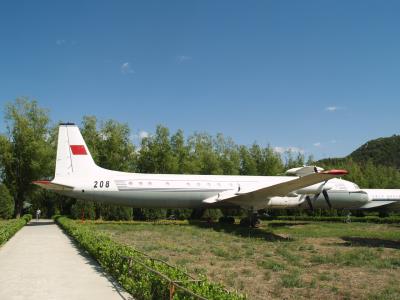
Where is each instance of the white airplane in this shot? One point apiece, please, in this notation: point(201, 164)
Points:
point(77, 176)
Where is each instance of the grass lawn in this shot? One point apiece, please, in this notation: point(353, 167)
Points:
point(281, 259)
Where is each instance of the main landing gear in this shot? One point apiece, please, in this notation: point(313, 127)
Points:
point(252, 220)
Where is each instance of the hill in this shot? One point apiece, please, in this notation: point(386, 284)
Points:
point(382, 151)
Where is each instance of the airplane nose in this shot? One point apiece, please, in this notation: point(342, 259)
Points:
point(359, 198)
point(343, 200)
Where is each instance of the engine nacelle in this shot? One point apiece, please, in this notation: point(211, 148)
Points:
point(285, 202)
point(315, 188)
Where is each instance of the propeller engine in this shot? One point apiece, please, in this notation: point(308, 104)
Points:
point(323, 190)
point(326, 198)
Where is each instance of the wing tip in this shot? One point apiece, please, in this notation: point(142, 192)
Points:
point(336, 172)
point(41, 182)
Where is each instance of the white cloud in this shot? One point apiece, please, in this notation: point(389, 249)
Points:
point(61, 42)
point(126, 68)
point(279, 149)
point(333, 108)
point(143, 134)
point(282, 150)
point(317, 144)
point(140, 135)
point(183, 58)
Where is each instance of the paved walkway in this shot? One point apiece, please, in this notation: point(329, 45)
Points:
point(41, 262)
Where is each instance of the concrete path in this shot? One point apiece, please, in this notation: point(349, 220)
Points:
point(41, 262)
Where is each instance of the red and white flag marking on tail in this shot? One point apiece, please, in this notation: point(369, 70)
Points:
point(78, 150)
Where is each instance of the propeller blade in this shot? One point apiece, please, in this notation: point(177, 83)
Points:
point(326, 196)
point(308, 199)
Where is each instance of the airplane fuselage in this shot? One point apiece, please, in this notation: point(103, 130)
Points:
point(159, 190)
point(189, 191)
point(78, 176)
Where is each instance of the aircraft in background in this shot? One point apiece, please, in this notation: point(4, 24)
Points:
point(77, 175)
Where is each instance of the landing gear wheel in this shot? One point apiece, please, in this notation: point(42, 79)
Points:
point(253, 222)
point(245, 222)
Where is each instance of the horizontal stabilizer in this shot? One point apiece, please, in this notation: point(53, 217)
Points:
point(375, 204)
point(49, 185)
point(303, 171)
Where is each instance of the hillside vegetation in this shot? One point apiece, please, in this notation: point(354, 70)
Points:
point(375, 164)
point(382, 151)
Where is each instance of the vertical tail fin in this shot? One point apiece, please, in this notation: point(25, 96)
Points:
point(73, 156)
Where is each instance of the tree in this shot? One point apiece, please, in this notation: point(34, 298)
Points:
point(203, 156)
point(92, 136)
point(25, 152)
point(83, 209)
point(228, 153)
point(6, 203)
point(156, 155)
point(248, 165)
point(116, 150)
point(181, 154)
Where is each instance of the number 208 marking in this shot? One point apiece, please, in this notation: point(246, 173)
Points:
point(101, 184)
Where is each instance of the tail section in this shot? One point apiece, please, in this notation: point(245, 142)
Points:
point(73, 156)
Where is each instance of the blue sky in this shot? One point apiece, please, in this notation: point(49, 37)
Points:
point(321, 76)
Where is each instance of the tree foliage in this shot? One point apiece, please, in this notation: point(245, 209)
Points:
point(28, 150)
point(25, 154)
point(383, 151)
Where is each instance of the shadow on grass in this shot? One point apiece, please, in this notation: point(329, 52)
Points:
point(370, 242)
point(285, 224)
point(40, 223)
point(241, 231)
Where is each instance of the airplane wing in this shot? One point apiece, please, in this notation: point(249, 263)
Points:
point(49, 185)
point(277, 190)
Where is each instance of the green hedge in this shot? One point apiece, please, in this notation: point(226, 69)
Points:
point(137, 279)
point(10, 227)
point(367, 219)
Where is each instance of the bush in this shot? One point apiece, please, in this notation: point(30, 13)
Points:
point(6, 203)
point(27, 217)
point(149, 214)
point(85, 209)
point(112, 212)
point(131, 268)
point(212, 214)
point(179, 214)
point(9, 228)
